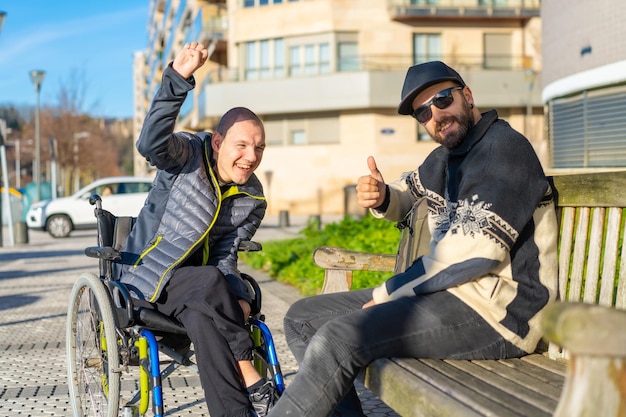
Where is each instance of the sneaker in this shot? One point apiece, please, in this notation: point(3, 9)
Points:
point(264, 398)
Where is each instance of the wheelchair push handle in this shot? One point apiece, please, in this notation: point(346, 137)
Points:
point(96, 200)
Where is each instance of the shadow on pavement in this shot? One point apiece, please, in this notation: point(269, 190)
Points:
point(16, 274)
point(10, 256)
point(8, 302)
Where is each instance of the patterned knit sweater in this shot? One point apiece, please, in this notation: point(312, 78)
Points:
point(493, 225)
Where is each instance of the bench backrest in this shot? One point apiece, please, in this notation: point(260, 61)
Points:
point(592, 258)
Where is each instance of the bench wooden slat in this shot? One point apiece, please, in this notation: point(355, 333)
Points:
point(556, 366)
point(566, 244)
point(609, 270)
point(551, 373)
point(579, 257)
point(532, 401)
point(480, 391)
point(620, 301)
point(565, 247)
point(594, 245)
point(383, 377)
point(535, 384)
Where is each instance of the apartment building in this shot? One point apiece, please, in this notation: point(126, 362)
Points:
point(584, 83)
point(325, 76)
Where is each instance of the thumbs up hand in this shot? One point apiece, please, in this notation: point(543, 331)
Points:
point(371, 189)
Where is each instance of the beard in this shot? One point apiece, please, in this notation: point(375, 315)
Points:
point(464, 121)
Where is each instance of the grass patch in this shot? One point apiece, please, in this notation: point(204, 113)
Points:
point(290, 261)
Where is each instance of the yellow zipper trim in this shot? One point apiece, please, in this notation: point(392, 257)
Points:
point(233, 190)
point(202, 238)
point(147, 251)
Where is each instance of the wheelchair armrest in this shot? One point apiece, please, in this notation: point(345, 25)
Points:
point(158, 321)
point(249, 246)
point(256, 296)
point(123, 302)
point(107, 253)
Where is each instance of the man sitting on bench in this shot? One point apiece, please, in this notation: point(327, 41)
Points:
point(491, 270)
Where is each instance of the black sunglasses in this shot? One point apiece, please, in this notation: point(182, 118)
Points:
point(441, 100)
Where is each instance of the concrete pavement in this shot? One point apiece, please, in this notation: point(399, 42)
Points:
point(35, 283)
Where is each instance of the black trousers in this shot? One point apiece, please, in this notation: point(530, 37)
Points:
point(201, 299)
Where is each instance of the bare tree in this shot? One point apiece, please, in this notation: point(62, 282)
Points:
point(84, 149)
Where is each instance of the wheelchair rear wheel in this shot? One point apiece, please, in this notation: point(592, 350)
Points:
point(92, 350)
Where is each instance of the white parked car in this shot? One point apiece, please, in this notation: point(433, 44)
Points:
point(122, 196)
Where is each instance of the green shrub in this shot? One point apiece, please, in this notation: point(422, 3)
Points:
point(290, 261)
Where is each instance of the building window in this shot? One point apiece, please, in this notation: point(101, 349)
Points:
point(587, 130)
point(348, 56)
point(279, 58)
point(257, 3)
point(309, 59)
point(298, 137)
point(252, 70)
point(426, 47)
point(308, 131)
point(265, 59)
point(310, 65)
point(324, 60)
point(422, 134)
point(498, 50)
point(294, 61)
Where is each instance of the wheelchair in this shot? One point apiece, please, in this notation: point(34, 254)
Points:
point(109, 334)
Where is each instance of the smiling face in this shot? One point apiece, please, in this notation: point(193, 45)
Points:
point(239, 152)
point(448, 126)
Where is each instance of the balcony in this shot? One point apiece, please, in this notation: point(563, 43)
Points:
point(372, 83)
point(419, 10)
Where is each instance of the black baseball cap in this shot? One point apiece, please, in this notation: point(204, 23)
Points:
point(421, 76)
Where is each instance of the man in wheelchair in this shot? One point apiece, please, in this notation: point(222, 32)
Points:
point(181, 255)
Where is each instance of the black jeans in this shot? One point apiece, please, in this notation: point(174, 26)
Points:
point(201, 299)
point(333, 338)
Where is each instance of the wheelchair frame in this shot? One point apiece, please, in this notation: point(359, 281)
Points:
point(107, 334)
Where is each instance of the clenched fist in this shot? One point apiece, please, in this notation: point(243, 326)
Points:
point(371, 189)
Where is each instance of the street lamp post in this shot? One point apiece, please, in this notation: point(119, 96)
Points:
point(3, 16)
point(16, 145)
point(37, 77)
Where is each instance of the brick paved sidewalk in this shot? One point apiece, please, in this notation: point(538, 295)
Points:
point(35, 283)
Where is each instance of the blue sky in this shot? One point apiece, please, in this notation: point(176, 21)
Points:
point(92, 41)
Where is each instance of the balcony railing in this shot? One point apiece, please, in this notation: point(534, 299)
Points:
point(374, 63)
point(421, 9)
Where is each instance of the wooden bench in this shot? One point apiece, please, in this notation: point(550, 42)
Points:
point(579, 371)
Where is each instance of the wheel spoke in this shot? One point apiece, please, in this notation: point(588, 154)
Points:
point(94, 390)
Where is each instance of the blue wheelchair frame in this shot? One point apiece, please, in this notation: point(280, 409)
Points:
point(141, 329)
